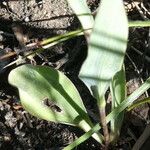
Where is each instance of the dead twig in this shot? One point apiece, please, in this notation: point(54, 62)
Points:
point(139, 10)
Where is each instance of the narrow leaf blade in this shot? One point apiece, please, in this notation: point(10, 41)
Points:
point(118, 94)
point(83, 13)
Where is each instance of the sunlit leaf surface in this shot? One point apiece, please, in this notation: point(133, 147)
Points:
point(48, 94)
point(107, 45)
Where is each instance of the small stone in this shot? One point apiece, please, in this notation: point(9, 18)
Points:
point(7, 138)
point(27, 19)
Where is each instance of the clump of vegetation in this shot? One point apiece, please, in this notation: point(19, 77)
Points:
point(103, 70)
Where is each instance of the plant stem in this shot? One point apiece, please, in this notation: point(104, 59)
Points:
point(102, 114)
point(104, 126)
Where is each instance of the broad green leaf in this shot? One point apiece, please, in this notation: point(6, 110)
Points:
point(39, 84)
point(118, 94)
point(36, 84)
point(107, 45)
point(83, 13)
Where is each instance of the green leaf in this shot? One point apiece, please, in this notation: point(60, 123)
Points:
point(139, 23)
point(83, 138)
point(39, 84)
point(36, 84)
point(129, 100)
point(119, 87)
point(107, 45)
point(138, 103)
point(83, 13)
point(118, 94)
